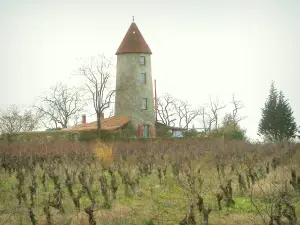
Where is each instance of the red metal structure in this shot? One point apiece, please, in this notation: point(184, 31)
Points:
point(155, 100)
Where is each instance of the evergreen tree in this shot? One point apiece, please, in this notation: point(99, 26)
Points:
point(267, 122)
point(286, 123)
point(277, 122)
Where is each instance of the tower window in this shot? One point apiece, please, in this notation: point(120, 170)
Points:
point(142, 60)
point(143, 78)
point(144, 103)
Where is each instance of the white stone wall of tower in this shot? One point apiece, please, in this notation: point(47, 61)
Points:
point(130, 90)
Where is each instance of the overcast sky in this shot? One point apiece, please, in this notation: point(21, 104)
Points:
point(200, 48)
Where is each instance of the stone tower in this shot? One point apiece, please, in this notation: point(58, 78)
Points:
point(134, 95)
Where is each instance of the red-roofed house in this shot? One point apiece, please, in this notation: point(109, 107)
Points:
point(111, 124)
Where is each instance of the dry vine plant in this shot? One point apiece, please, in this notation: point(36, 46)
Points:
point(64, 183)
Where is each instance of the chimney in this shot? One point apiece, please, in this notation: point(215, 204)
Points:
point(102, 117)
point(84, 119)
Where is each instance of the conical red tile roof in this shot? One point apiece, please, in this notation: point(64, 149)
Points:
point(133, 42)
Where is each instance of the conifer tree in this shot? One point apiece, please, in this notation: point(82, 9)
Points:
point(286, 124)
point(277, 122)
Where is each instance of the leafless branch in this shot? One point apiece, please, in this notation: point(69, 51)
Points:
point(111, 112)
point(207, 119)
point(13, 120)
point(97, 84)
point(237, 106)
point(215, 107)
point(166, 109)
point(186, 113)
point(61, 106)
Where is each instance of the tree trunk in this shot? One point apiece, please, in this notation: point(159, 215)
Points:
point(98, 123)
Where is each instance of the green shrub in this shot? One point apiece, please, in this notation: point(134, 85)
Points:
point(191, 133)
point(53, 129)
point(150, 222)
point(238, 135)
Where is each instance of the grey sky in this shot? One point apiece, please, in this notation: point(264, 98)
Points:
point(200, 48)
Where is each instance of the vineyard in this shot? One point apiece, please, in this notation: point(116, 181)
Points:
point(184, 182)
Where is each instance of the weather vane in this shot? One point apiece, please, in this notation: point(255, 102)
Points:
point(133, 19)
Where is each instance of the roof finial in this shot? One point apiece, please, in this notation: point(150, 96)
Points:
point(133, 19)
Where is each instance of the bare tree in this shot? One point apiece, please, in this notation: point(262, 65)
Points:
point(228, 120)
point(207, 119)
point(98, 84)
point(12, 120)
point(215, 107)
point(61, 106)
point(166, 109)
point(237, 106)
point(186, 113)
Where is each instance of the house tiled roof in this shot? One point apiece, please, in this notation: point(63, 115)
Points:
point(133, 42)
point(110, 123)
